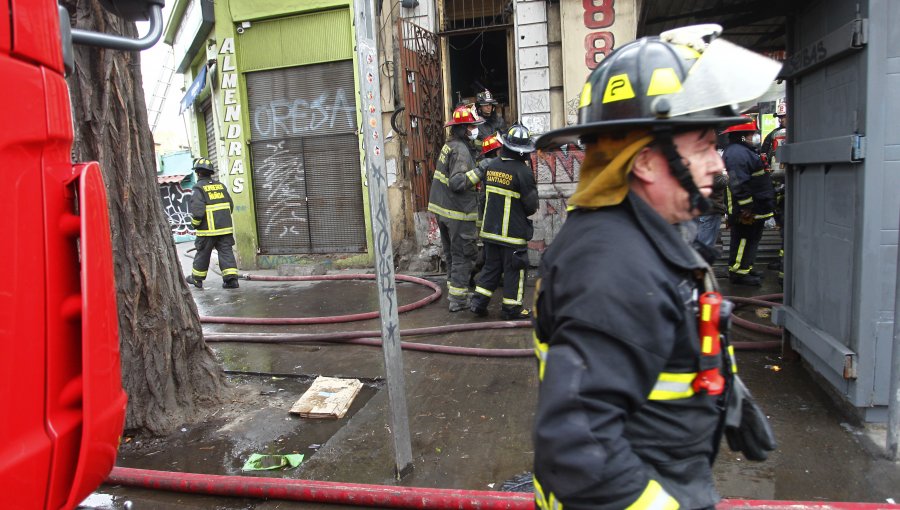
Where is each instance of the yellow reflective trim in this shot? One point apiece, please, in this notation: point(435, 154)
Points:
point(502, 191)
point(441, 177)
point(733, 359)
point(663, 81)
point(540, 350)
point(453, 215)
point(473, 177)
point(745, 201)
point(673, 386)
point(483, 291)
point(706, 313)
point(230, 271)
point(456, 291)
point(707, 344)
point(758, 173)
point(507, 203)
point(618, 88)
point(521, 293)
point(201, 274)
point(654, 497)
point(542, 502)
point(195, 221)
point(585, 95)
point(504, 239)
point(735, 268)
point(216, 232)
point(763, 216)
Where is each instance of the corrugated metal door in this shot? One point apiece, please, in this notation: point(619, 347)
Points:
point(206, 110)
point(305, 155)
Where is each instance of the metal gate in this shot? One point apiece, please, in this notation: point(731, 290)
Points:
point(304, 150)
point(420, 62)
point(841, 212)
point(209, 122)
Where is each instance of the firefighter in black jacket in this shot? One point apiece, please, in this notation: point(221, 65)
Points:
point(453, 201)
point(487, 110)
point(750, 201)
point(210, 209)
point(510, 198)
point(623, 420)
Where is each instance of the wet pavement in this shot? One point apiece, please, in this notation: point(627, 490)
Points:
point(469, 417)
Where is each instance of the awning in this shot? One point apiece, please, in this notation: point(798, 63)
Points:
point(193, 91)
point(164, 179)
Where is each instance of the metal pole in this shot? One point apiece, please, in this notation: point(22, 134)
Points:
point(893, 426)
point(373, 145)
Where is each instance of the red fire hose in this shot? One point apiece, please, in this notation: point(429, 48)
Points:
point(373, 496)
point(387, 496)
point(334, 319)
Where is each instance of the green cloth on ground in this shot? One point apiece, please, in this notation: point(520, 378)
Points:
point(260, 462)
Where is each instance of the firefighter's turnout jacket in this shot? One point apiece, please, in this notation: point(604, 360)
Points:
point(210, 208)
point(510, 198)
point(452, 188)
point(618, 423)
point(749, 184)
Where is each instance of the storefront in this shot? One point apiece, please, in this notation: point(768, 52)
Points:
point(279, 114)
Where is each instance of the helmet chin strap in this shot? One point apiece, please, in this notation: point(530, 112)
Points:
point(682, 174)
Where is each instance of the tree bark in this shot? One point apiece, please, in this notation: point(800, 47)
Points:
point(168, 372)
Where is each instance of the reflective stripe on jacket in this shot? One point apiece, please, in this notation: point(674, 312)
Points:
point(510, 198)
point(618, 424)
point(211, 208)
point(452, 187)
point(749, 185)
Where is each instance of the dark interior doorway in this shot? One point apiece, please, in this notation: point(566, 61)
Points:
point(479, 61)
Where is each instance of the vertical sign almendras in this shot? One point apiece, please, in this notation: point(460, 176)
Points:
point(370, 105)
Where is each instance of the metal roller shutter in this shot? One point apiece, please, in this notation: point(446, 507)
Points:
point(206, 110)
point(305, 159)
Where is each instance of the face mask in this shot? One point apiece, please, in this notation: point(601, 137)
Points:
point(473, 133)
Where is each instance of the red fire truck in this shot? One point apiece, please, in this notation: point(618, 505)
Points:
point(61, 395)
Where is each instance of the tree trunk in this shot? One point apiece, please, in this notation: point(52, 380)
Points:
point(168, 371)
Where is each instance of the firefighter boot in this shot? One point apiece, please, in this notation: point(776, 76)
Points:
point(230, 283)
point(479, 304)
point(193, 281)
point(514, 313)
point(458, 303)
point(744, 279)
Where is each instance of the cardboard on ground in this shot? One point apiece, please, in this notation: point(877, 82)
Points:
point(328, 397)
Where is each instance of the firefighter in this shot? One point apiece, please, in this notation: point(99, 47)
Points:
point(510, 198)
point(453, 201)
point(487, 110)
point(750, 201)
point(489, 149)
point(211, 208)
point(619, 422)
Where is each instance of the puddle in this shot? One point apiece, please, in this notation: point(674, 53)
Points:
point(257, 421)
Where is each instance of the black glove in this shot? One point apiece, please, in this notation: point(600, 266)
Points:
point(747, 429)
point(709, 253)
point(519, 259)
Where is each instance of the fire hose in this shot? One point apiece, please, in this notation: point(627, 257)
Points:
point(385, 496)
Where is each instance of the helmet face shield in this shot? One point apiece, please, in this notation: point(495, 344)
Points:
point(724, 75)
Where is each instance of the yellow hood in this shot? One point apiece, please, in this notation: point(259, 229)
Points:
point(603, 180)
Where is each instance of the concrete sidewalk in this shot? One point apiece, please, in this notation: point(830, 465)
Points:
point(470, 418)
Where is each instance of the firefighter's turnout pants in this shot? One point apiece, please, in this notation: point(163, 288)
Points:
point(223, 245)
point(744, 243)
point(506, 263)
point(458, 241)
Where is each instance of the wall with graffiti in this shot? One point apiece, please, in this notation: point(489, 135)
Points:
point(556, 173)
point(175, 198)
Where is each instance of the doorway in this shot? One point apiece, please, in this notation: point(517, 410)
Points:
point(477, 62)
